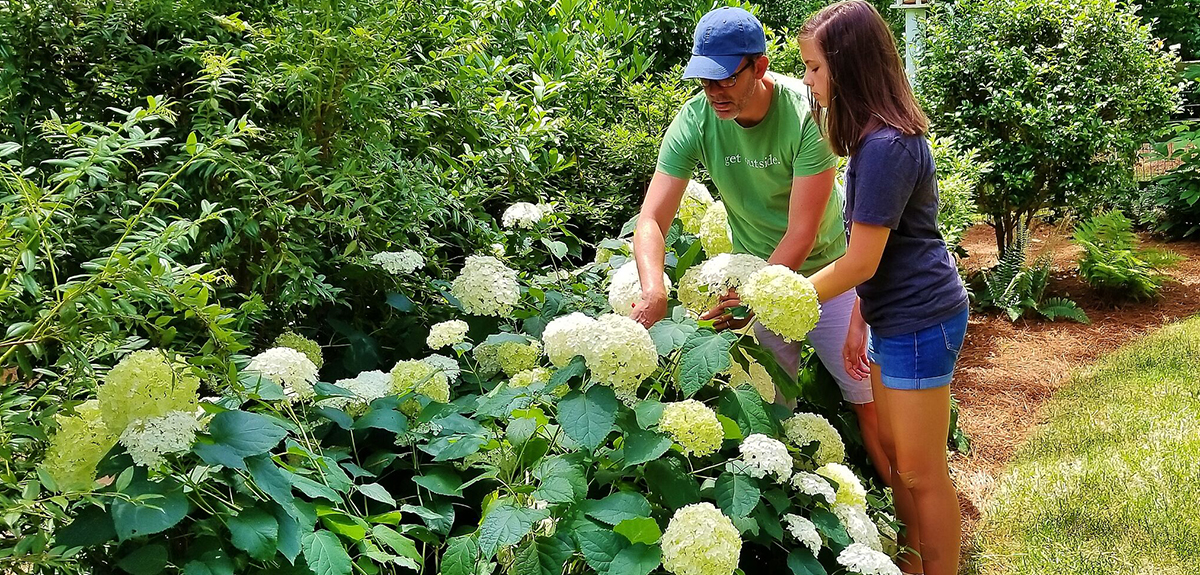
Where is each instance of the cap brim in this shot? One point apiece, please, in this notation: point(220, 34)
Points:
point(712, 67)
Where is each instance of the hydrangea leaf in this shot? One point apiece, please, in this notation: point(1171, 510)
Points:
point(562, 480)
point(670, 335)
point(254, 531)
point(245, 433)
point(640, 530)
point(617, 507)
point(588, 418)
point(145, 560)
point(325, 554)
point(830, 526)
point(403, 546)
point(642, 446)
point(385, 419)
point(736, 494)
point(599, 546)
point(802, 562)
point(461, 556)
point(705, 354)
point(138, 516)
point(637, 559)
point(669, 481)
point(505, 525)
point(745, 406)
point(440, 480)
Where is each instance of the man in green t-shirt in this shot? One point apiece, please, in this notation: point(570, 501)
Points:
point(754, 133)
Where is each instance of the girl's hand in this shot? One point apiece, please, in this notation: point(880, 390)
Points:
point(854, 352)
point(722, 320)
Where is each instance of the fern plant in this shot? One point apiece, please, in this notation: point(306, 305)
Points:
point(1017, 286)
point(1113, 263)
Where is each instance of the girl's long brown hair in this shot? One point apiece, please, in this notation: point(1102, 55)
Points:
point(868, 88)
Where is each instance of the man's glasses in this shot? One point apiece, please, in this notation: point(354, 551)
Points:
point(729, 82)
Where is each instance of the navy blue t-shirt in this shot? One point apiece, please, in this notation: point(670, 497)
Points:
point(892, 182)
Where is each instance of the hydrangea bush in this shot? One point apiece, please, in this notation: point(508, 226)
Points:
point(561, 437)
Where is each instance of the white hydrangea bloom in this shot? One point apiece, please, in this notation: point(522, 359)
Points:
point(522, 214)
point(859, 525)
point(486, 287)
point(703, 285)
point(700, 540)
point(497, 250)
point(784, 301)
point(804, 428)
point(715, 235)
point(804, 531)
point(529, 377)
point(859, 558)
point(620, 353)
point(764, 455)
point(399, 263)
point(849, 490)
point(446, 365)
point(693, 425)
point(447, 333)
point(568, 336)
point(814, 485)
point(758, 378)
point(693, 205)
point(366, 386)
point(289, 368)
point(147, 440)
point(625, 288)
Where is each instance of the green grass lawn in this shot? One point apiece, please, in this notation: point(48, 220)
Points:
point(1111, 484)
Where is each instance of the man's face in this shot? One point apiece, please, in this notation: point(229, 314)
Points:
point(729, 102)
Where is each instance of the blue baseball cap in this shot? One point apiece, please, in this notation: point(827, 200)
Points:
point(723, 38)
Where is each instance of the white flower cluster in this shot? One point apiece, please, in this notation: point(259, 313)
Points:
point(804, 531)
point(764, 455)
point(529, 377)
point(814, 485)
point(784, 301)
point(693, 205)
point(486, 287)
point(703, 285)
point(446, 365)
point(289, 368)
point(700, 540)
point(804, 428)
point(859, 558)
point(859, 525)
point(620, 354)
point(524, 214)
point(849, 489)
point(757, 377)
point(693, 425)
point(399, 263)
point(567, 336)
point(147, 440)
point(366, 386)
point(715, 235)
point(625, 288)
point(511, 357)
point(447, 333)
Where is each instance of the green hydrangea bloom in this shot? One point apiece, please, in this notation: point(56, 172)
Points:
point(142, 386)
point(308, 347)
point(82, 441)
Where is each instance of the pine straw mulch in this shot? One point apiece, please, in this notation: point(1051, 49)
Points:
point(1006, 371)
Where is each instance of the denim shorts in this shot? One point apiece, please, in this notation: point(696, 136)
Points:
point(923, 359)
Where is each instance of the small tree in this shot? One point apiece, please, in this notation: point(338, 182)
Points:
point(1058, 94)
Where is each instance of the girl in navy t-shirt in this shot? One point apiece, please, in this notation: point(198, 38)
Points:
point(911, 315)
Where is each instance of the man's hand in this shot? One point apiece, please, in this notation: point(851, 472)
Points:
point(651, 308)
point(722, 319)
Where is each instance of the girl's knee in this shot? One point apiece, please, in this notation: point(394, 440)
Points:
point(923, 480)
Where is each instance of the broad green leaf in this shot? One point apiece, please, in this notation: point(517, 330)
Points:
point(642, 446)
point(271, 479)
point(505, 525)
point(92, 526)
point(385, 419)
point(461, 556)
point(588, 418)
point(637, 559)
point(640, 530)
point(830, 526)
point(440, 480)
point(736, 494)
point(145, 560)
point(254, 531)
point(669, 334)
point(154, 515)
point(670, 482)
point(617, 507)
point(705, 354)
point(576, 368)
point(562, 480)
point(459, 447)
point(378, 493)
point(648, 413)
point(599, 545)
point(245, 433)
point(288, 541)
point(745, 406)
point(519, 430)
point(403, 546)
point(802, 562)
point(347, 526)
point(325, 554)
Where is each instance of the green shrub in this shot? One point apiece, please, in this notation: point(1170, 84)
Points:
point(1112, 263)
point(1058, 95)
point(1017, 286)
point(1172, 201)
point(958, 174)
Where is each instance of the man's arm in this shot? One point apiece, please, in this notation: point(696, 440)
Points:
point(650, 244)
point(806, 209)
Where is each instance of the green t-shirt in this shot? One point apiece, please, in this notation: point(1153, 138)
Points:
point(753, 169)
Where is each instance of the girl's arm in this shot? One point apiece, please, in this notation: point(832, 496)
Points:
point(857, 266)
